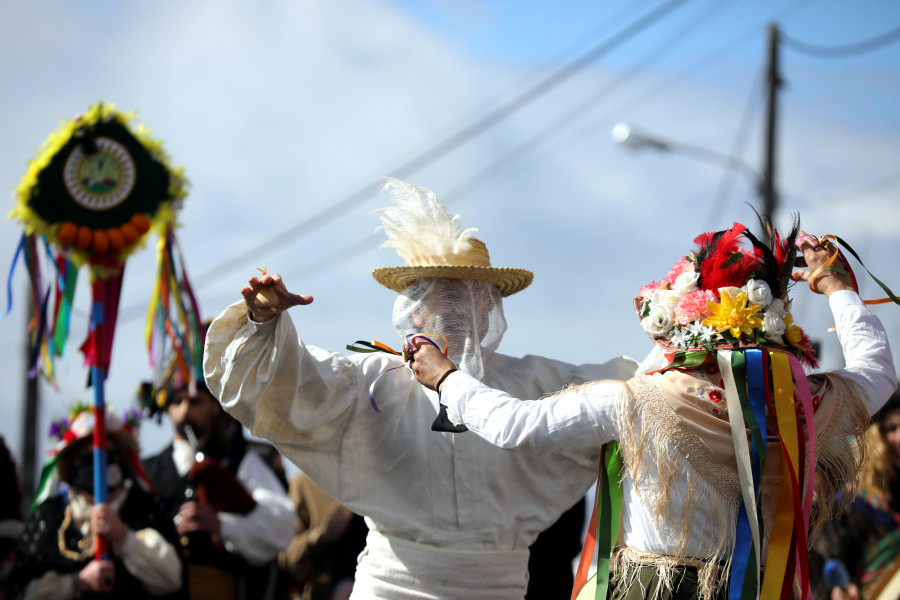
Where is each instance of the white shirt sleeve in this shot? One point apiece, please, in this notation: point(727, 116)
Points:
point(262, 533)
point(867, 354)
point(151, 559)
point(300, 397)
point(580, 418)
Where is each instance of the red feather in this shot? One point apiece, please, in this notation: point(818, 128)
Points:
point(722, 262)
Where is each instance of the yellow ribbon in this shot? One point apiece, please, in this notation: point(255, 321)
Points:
point(780, 546)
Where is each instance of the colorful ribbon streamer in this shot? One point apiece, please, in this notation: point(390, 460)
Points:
point(173, 315)
point(12, 269)
point(846, 270)
point(603, 531)
point(406, 354)
point(755, 379)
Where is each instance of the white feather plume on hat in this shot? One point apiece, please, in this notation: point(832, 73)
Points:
point(419, 226)
point(434, 245)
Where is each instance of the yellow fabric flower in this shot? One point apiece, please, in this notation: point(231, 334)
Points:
point(733, 314)
point(792, 333)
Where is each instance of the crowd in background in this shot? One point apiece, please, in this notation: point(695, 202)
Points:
point(317, 562)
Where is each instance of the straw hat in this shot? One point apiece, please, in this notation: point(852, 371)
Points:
point(434, 246)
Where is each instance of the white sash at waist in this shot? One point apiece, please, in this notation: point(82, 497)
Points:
point(394, 569)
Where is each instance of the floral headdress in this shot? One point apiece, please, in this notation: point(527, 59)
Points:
point(728, 304)
point(80, 424)
point(723, 295)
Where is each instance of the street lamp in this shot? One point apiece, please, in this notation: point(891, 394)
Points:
point(634, 138)
point(764, 187)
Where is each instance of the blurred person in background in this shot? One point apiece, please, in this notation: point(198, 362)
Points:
point(866, 538)
point(321, 522)
point(12, 522)
point(55, 557)
point(229, 507)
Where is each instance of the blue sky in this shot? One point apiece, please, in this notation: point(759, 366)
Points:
point(281, 110)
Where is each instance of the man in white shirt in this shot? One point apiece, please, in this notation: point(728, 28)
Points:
point(450, 516)
point(231, 511)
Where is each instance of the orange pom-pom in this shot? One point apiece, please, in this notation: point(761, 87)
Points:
point(66, 233)
point(130, 234)
point(116, 239)
point(100, 243)
point(83, 237)
point(141, 223)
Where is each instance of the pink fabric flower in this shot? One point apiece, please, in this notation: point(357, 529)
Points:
point(651, 287)
point(693, 306)
point(680, 267)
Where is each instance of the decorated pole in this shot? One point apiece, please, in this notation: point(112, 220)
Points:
point(99, 184)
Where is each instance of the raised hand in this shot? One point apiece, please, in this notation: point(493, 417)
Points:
point(197, 517)
point(428, 362)
point(97, 577)
point(266, 296)
point(105, 521)
point(815, 255)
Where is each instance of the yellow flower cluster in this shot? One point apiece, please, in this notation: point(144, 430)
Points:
point(733, 315)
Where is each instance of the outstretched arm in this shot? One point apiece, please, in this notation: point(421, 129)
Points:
point(867, 353)
point(267, 295)
point(581, 418)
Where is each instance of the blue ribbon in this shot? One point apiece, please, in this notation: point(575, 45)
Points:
point(12, 269)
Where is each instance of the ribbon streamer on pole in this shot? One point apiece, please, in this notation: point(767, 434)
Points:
point(98, 185)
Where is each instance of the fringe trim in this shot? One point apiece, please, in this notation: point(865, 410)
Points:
point(842, 453)
point(625, 568)
point(649, 429)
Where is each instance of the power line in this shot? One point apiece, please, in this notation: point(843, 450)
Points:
point(873, 185)
point(499, 165)
point(656, 92)
point(556, 127)
point(527, 147)
point(532, 143)
point(843, 51)
point(453, 141)
point(708, 60)
point(740, 142)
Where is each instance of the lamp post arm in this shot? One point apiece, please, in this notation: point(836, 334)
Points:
point(631, 138)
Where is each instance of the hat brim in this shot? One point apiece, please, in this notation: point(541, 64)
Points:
point(508, 281)
point(741, 344)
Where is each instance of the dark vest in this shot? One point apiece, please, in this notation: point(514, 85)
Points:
point(203, 556)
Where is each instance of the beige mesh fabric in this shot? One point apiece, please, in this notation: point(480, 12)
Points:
point(468, 312)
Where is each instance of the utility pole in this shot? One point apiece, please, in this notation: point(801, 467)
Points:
point(767, 191)
point(29, 423)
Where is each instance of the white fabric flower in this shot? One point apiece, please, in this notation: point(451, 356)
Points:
point(705, 332)
point(682, 338)
point(686, 282)
point(659, 322)
point(665, 299)
point(773, 326)
point(777, 306)
point(758, 292)
point(732, 291)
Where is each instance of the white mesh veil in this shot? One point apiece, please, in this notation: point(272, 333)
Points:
point(468, 312)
